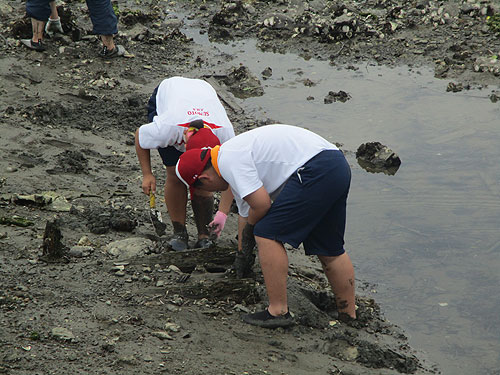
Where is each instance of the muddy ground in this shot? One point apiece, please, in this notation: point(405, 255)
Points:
point(67, 158)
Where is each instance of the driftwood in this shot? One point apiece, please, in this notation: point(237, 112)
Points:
point(53, 247)
point(216, 259)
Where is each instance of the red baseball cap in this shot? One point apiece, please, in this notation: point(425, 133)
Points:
point(191, 164)
point(202, 138)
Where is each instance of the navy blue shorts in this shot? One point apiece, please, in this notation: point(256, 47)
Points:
point(169, 154)
point(311, 208)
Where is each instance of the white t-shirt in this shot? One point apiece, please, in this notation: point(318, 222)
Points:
point(266, 156)
point(178, 102)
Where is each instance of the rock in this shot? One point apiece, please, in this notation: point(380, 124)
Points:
point(84, 241)
point(172, 327)
point(5, 9)
point(39, 200)
point(243, 84)
point(62, 333)
point(279, 22)
point(375, 157)
point(137, 32)
point(454, 87)
point(230, 14)
point(129, 247)
point(80, 251)
point(267, 73)
point(162, 335)
point(241, 308)
point(340, 96)
point(488, 64)
point(173, 268)
point(172, 23)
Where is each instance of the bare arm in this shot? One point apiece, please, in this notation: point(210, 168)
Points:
point(226, 200)
point(144, 156)
point(259, 202)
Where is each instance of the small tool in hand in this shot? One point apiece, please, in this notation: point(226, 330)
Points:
point(155, 216)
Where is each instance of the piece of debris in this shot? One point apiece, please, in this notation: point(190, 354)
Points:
point(62, 333)
point(454, 87)
point(243, 84)
point(53, 247)
point(375, 157)
point(340, 96)
point(267, 73)
point(16, 220)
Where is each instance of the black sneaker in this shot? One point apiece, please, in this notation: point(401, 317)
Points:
point(179, 241)
point(266, 320)
point(204, 243)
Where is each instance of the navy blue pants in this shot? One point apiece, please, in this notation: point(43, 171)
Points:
point(102, 15)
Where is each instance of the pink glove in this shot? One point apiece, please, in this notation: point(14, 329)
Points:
point(188, 133)
point(217, 225)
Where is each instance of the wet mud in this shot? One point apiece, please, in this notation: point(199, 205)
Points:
point(137, 307)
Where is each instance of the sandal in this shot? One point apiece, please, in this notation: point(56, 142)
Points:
point(115, 52)
point(36, 46)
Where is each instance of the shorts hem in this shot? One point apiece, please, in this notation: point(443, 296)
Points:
point(296, 245)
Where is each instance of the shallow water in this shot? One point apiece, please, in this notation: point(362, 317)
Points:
point(428, 237)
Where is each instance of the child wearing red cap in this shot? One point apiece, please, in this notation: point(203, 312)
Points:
point(291, 186)
point(177, 110)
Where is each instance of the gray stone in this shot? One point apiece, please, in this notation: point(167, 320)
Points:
point(129, 247)
point(162, 335)
point(62, 333)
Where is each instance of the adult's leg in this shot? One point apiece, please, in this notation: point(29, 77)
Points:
point(104, 21)
point(108, 41)
point(39, 12)
point(274, 263)
point(37, 27)
point(53, 11)
point(340, 274)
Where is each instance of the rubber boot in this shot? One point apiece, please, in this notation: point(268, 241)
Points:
point(179, 240)
point(203, 208)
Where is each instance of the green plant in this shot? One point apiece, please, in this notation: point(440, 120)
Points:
point(116, 9)
point(494, 22)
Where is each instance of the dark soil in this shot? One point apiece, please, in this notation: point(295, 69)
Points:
point(67, 154)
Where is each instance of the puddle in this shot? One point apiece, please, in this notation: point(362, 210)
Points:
point(427, 237)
